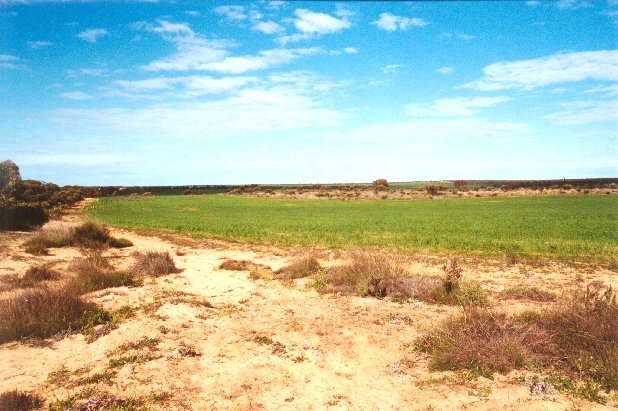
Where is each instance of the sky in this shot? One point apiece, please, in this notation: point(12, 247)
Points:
point(213, 92)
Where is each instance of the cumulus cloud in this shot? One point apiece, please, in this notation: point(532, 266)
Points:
point(267, 27)
point(391, 68)
point(264, 59)
point(38, 44)
point(458, 106)
point(390, 22)
point(92, 35)
point(557, 68)
point(232, 12)
point(310, 24)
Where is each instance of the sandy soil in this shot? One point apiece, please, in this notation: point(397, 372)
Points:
point(227, 342)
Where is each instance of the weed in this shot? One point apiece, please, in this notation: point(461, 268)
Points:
point(484, 341)
point(148, 343)
point(131, 359)
point(235, 265)
point(38, 273)
point(527, 293)
point(153, 263)
point(300, 268)
point(41, 313)
point(120, 242)
point(453, 275)
point(464, 294)
point(100, 280)
point(19, 401)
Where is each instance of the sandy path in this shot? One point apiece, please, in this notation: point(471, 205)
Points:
point(261, 344)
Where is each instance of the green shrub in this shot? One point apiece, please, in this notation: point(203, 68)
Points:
point(22, 216)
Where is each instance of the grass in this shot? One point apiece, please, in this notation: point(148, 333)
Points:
point(43, 313)
point(19, 401)
point(578, 337)
point(527, 293)
point(577, 227)
point(301, 267)
point(153, 263)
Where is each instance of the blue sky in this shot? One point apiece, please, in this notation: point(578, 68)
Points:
point(179, 92)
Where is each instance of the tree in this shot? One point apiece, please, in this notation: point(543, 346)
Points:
point(380, 184)
point(10, 179)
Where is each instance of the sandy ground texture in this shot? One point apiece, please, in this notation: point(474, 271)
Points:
point(214, 339)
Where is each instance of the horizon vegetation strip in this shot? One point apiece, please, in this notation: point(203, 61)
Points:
point(572, 227)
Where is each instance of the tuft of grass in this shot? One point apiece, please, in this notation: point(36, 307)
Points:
point(41, 313)
point(36, 246)
point(98, 279)
point(585, 331)
point(90, 235)
point(52, 236)
point(19, 401)
point(464, 294)
point(527, 293)
point(236, 265)
point(38, 273)
point(153, 263)
point(302, 267)
point(484, 341)
point(120, 242)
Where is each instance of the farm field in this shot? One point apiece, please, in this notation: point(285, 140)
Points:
point(574, 227)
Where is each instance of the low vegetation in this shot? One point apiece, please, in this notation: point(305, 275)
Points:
point(16, 400)
point(571, 227)
point(304, 266)
point(43, 313)
point(153, 263)
point(527, 293)
point(579, 337)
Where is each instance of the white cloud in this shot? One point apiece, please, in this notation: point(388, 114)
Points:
point(193, 13)
point(350, 50)
point(391, 68)
point(38, 44)
point(267, 27)
point(390, 22)
point(573, 4)
point(8, 61)
point(458, 106)
point(76, 95)
point(180, 87)
point(310, 22)
point(445, 70)
point(193, 51)
point(584, 112)
point(557, 68)
point(248, 111)
point(466, 37)
point(608, 90)
point(232, 12)
point(264, 59)
point(533, 3)
point(92, 35)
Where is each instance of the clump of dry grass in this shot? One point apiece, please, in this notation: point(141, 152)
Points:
point(527, 293)
point(94, 272)
point(19, 401)
point(38, 273)
point(585, 331)
point(52, 236)
point(91, 235)
point(153, 263)
point(484, 341)
point(304, 266)
point(236, 265)
point(41, 313)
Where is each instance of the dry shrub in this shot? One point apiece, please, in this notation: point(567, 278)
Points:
point(19, 401)
point(153, 263)
point(120, 242)
point(236, 265)
point(52, 236)
point(484, 341)
point(90, 235)
point(419, 287)
point(585, 330)
point(38, 273)
point(527, 293)
point(98, 279)
point(367, 273)
point(41, 313)
point(453, 291)
point(300, 268)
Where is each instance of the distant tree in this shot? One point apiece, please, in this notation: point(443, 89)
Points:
point(460, 183)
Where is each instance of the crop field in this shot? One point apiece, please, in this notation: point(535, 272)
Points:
point(576, 227)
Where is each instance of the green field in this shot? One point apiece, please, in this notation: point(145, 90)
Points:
point(582, 227)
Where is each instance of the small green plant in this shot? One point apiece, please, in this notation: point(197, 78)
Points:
point(19, 401)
